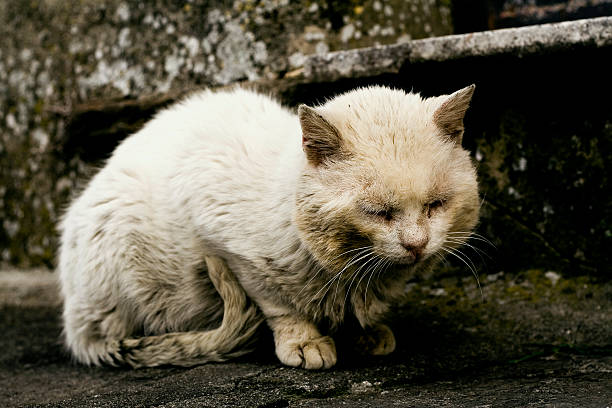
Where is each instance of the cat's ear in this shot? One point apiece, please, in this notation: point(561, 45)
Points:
point(448, 117)
point(320, 139)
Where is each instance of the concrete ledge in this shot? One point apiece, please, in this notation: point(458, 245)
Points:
point(518, 42)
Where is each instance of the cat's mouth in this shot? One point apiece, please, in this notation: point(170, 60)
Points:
point(409, 259)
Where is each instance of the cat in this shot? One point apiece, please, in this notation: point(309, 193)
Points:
point(227, 210)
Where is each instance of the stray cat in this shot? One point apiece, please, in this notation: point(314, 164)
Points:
point(227, 209)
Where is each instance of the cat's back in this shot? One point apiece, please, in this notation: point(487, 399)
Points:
point(205, 148)
point(223, 139)
point(236, 124)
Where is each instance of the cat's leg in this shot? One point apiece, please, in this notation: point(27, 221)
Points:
point(376, 338)
point(93, 313)
point(87, 326)
point(298, 342)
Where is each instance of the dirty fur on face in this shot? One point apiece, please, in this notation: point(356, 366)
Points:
point(227, 210)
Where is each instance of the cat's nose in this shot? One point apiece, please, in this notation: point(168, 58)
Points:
point(415, 248)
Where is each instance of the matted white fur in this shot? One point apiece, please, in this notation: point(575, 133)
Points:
point(316, 217)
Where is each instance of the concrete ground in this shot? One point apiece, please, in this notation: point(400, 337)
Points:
point(537, 339)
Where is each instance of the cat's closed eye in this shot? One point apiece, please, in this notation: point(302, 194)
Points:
point(382, 214)
point(433, 206)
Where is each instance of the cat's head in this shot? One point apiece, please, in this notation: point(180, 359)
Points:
point(385, 178)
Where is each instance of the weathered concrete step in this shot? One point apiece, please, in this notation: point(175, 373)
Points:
point(516, 42)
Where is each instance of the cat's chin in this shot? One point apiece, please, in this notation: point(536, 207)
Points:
point(409, 260)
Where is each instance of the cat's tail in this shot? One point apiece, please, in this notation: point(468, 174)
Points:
point(241, 318)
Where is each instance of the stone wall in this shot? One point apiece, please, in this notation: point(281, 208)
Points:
point(61, 60)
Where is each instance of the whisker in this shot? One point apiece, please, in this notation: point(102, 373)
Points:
point(439, 256)
point(465, 239)
point(371, 268)
point(476, 249)
point(482, 201)
point(384, 268)
point(321, 267)
point(471, 235)
point(336, 278)
point(457, 252)
point(365, 294)
point(471, 267)
point(336, 290)
point(348, 291)
point(356, 258)
point(352, 274)
point(339, 277)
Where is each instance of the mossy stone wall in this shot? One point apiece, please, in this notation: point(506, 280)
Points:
point(56, 56)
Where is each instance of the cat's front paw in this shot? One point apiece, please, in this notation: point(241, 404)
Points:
point(312, 354)
point(377, 340)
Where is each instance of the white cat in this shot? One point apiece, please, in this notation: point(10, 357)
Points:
point(228, 208)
